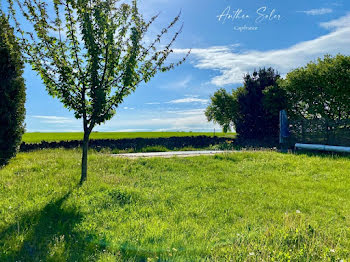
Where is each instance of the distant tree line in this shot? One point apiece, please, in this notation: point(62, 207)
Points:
point(321, 89)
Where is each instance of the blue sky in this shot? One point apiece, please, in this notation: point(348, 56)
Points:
point(226, 43)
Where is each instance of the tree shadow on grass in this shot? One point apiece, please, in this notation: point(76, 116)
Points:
point(49, 235)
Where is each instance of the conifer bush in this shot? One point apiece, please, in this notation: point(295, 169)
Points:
point(12, 93)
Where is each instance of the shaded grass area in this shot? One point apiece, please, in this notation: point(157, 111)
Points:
point(50, 137)
point(245, 206)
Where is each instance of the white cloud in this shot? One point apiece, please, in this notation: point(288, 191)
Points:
point(184, 83)
point(55, 119)
point(190, 120)
point(188, 100)
point(178, 84)
point(231, 65)
point(342, 22)
point(131, 130)
point(153, 103)
point(54, 130)
point(320, 11)
point(167, 120)
point(187, 112)
point(182, 120)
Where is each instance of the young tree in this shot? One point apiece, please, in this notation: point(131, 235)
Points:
point(224, 108)
point(91, 54)
point(12, 93)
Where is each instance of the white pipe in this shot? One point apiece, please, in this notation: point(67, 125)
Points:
point(323, 147)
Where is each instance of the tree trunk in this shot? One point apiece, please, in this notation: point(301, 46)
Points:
point(84, 158)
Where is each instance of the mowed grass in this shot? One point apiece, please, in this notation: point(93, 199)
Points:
point(246, 206)
point(49, 137)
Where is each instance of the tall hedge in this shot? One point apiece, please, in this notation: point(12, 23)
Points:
point(12, 93)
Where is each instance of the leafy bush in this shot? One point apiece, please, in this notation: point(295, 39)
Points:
point(12, 93)
point(320, 89)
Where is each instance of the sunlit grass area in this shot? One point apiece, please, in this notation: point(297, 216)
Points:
point(48, 137)
point(246, 206)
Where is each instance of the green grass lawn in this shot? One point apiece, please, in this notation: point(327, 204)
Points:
point(48, 137)
point(247, 206)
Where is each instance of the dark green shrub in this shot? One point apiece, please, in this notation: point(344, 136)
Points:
point(12, 93)
point(253, 109)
